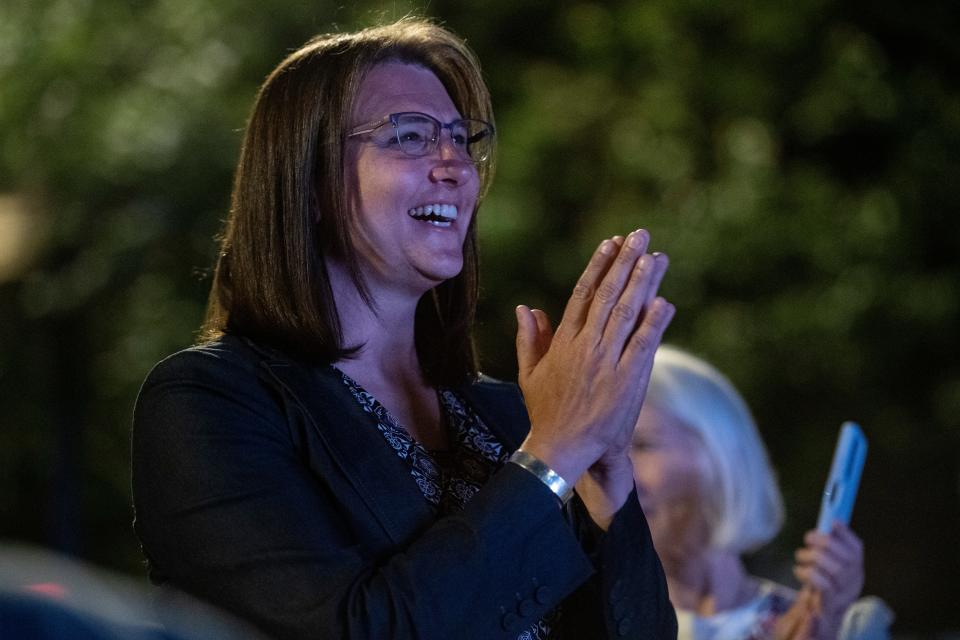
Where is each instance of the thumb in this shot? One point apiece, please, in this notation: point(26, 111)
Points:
point(527, 336)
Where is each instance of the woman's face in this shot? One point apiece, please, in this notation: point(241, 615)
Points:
point(398, 248)
point(670, 469)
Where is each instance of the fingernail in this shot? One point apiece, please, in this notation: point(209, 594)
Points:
point(633, 240)
point(606, 247)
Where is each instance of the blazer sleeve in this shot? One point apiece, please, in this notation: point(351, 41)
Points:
point(227, 510)
point(627, 597)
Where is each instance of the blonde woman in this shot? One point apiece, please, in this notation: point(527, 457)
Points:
point(710, 495)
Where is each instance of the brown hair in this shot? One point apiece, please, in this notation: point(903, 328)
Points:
point(289, 203)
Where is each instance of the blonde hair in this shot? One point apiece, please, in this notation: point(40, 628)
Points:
point(743, 505)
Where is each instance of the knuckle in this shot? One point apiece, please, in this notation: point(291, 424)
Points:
point(582, 291)
point(643, 342)
point(606, 292)
point(623, 311)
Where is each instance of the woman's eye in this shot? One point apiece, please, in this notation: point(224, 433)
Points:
point(410, 136)
point(385, 138)
point(415, 133)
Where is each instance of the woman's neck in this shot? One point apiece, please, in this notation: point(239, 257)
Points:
point(709, 583)
point(384, 329)
point(386, 365)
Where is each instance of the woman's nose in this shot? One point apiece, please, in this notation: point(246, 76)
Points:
point(451, 166)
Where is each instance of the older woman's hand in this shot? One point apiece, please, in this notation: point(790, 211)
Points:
point(800, 620)
point(831, 565)
point(584, 384)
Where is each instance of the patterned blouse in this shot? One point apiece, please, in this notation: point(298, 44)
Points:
point(447, 479)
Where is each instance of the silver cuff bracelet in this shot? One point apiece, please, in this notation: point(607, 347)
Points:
point(560, 487)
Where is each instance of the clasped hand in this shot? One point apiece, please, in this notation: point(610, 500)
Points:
point(584, 384)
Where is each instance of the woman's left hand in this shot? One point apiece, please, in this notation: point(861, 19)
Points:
point(832, 566)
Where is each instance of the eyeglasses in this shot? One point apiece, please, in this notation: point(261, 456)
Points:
point(418, 134)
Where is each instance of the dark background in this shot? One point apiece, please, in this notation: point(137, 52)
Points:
point(799, 162)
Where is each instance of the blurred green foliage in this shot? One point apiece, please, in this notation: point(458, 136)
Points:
point(799, 162)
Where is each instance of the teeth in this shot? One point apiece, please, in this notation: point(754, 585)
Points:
point(440, 215)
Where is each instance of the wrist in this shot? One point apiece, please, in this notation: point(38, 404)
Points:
point(603, 496)
point(562, 489)
point(569, 461)
point(613, 466)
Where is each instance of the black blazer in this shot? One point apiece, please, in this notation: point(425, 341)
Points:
point(261, 485)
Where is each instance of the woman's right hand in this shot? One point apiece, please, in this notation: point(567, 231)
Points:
point(584, 385)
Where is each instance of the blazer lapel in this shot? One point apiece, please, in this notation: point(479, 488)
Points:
point(500, 406)
point(357, 448)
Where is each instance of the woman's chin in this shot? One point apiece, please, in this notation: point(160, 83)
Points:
point(441, 271)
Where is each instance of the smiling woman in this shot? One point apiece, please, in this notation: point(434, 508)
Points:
point(328, 461)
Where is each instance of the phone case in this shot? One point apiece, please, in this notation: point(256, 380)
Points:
point(840, 491)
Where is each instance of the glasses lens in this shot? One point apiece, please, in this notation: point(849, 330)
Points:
point(477, 136)
point(416, 134)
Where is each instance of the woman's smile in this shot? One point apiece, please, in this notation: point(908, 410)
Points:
point(439, 215)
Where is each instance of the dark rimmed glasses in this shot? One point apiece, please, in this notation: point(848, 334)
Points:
point(418, 134)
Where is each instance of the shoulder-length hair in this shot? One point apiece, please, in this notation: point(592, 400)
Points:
point(289, 204)
point(742, 502)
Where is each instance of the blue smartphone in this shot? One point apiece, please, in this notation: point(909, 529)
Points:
point(840, 491)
